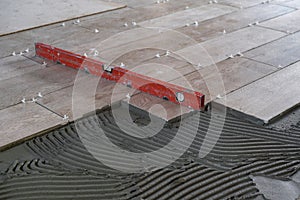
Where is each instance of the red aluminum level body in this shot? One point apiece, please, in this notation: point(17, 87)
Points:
point(141, 82)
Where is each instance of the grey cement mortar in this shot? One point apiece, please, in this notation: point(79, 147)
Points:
point(16, 153)
point(55, 157)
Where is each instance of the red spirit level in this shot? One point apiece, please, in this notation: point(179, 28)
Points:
point(141, 82)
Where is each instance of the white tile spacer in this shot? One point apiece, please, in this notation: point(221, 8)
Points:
point(199, 65)
point(27, 50)
point(157, 2)
point(13, 53)
point(126, 25)
point(122, 65)
point(256, 23)
point(23, 100)
point(21, 53)
point(40, 95)
point(65, 117)
point(250, 25)
point(77, 21)
point(44, 64)
point(33, 99)
point(214, 1)
point(196, 23)
point(133, 23)
point(85, 55)
point(219, 96)
point(168, 53)
point(240, 54)
point(187, 7)
point(63, 24)
point(128, 96)
point(224, 31)
point(157, 55)
point(230, 56)
point(96, 53)
point(187, 25)
point(96, 31)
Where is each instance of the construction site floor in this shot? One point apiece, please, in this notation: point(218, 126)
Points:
point(243, 55)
